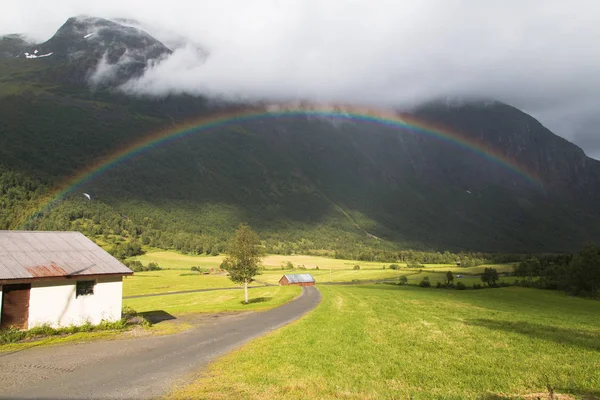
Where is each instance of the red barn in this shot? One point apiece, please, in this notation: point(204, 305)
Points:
point(297, 279)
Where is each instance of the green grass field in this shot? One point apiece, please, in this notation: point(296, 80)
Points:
point(174, 260)
point(171, 281)
point(339, 275)
point(176, 273)
point(390, 342)
point(468, 270)
point(468, 280)
point(216, 301)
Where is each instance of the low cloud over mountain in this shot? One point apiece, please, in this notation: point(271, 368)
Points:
point(537, 55)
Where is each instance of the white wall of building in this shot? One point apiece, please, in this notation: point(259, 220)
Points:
point(54, 302)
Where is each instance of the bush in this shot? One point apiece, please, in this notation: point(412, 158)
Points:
point(153, 267)
point(403, 280)
point(317, 267)
point(122, 251)
point(42, 330)
point(414, 264)
point(11, 335)
point(477, 286)
point(87, 327)
point(137, 266)
point(195, 269)
point(356, 267)
point(438, 285)
point(117, 325)
point(490, 276)
point(134, 265)
point(460, 286)
point(128, 312)
point(130, 317)
point(425, 282)
point(394, 266)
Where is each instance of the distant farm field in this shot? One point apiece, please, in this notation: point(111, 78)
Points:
point(176, 274)
point(174, 260)
point(394, 342)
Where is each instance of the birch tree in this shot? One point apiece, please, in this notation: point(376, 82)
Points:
point(243, 255)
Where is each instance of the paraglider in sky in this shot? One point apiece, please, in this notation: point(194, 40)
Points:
point(87, 196)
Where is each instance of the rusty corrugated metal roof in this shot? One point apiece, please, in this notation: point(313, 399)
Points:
point(299, 278)
point(32, 254)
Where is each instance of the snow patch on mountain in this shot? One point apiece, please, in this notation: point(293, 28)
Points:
point(34, 55)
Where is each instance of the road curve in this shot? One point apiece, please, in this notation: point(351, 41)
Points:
point(144, 367)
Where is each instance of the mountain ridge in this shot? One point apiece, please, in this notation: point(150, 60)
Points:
point(297, 179)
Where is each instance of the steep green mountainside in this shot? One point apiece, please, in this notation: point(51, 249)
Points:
point(12, 45)
point(321, 183)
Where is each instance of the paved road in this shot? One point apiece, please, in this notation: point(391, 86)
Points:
point(144, 367)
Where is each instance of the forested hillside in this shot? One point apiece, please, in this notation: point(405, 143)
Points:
point(305, 183)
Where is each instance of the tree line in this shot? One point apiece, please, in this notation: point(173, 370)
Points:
point(577, 274)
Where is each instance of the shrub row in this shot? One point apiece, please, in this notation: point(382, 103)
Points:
point(137, 266)
point(130, 318)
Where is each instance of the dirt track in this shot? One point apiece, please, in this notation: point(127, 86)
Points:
point(136, 368)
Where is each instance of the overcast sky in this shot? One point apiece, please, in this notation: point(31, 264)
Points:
point(541, 56)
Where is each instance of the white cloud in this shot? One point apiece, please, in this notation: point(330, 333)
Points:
point(538, 55)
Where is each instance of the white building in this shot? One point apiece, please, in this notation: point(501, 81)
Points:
point(57, 278)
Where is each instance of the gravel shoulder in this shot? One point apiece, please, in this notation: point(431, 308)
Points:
point(142, 367)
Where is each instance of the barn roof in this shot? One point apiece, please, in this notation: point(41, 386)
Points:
point(299, 278)
point(30, 254)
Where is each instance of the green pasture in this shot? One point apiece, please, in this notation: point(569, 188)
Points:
point(311, 262)
point(323, 276)
point(468, 280)
point(501, 268)
point(172, 281)
point(174, 260)
point(401, 342)
point(176, 274)
point(215, 301)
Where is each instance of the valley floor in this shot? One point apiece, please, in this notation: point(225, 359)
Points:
point(383, 341)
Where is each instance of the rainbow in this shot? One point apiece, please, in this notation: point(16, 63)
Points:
point(351, 114)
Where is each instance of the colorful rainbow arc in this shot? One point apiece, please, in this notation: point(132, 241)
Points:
point(391, 120)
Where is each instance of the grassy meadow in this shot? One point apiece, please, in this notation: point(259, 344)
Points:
point(165, 281)
point(396, 342)
point(176, 274)
point(174, 260)
point(215, 301)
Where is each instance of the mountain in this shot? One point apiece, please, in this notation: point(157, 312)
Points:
point(304, 180)
point(93, 50)
point(13, 45)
